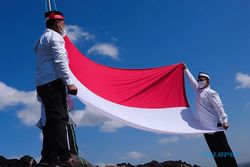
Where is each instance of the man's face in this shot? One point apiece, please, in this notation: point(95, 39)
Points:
point(59, 26)
point(203, 79)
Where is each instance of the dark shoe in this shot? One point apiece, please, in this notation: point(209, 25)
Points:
point(44, 162)
point(73, 161)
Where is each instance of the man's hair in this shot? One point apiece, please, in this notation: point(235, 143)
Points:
point(203, 74)
point(51, 21)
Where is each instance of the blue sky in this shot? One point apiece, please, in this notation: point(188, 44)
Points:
point(211, 36)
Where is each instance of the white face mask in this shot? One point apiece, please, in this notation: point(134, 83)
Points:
point(202, 84)
point(63, 32)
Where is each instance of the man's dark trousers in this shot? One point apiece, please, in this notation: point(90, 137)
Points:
point(222, 153)
point(53, 95)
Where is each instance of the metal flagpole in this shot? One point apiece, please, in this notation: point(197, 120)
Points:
point(49, 5)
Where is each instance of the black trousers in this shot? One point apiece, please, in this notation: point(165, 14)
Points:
point(220, 149)
point(49, 152)
point(72, 139)
point(55, 143)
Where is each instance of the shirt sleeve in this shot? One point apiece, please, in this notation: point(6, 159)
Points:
point(36, 46)
point(218, 106)
point(191, 78)
point(59, 54)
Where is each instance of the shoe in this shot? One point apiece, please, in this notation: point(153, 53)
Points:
point(43, 162)
point(73, 161)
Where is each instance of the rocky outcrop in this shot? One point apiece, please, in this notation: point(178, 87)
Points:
point(158, 164)
point(25, 161)
point(28, 161)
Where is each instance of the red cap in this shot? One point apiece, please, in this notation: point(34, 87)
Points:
point(54, 15)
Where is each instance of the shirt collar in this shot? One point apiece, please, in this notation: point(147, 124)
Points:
point(50, 30)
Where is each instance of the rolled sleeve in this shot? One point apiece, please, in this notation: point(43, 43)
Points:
point(191, 78)
point(218, 106)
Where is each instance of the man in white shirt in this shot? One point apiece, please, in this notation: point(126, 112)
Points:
point(52, 81)
point(211, 114)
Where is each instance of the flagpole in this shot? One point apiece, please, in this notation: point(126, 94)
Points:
point(49, 5)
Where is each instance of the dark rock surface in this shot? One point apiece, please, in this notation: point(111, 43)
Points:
point(158, 164)
point(25, 161)
point(28, 161)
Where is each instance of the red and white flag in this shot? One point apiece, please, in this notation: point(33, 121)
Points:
point(152, 99)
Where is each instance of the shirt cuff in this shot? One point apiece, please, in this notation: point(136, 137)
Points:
point(224, 120)
point(68, 82)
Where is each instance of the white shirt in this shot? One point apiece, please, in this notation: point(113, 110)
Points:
point(51, 60)
point(209, 107)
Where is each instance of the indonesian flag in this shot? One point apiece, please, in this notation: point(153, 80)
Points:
point(151, 99)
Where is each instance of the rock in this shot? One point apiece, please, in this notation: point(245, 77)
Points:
point(124, 165)
point(28, 161)
point(166, 164)
point(85, 163)
point(157, 164)
point(150, 164)
point(25, 161)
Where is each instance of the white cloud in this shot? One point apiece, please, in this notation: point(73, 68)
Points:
point(111, 126)
point(192, 136)
point(29, 115)
point(168, 140)
point(91, 117)
point(134, 155)
point(30, 110)
point(10, 97)
point(76, 33)
point(105, 49)
point(243, 80)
